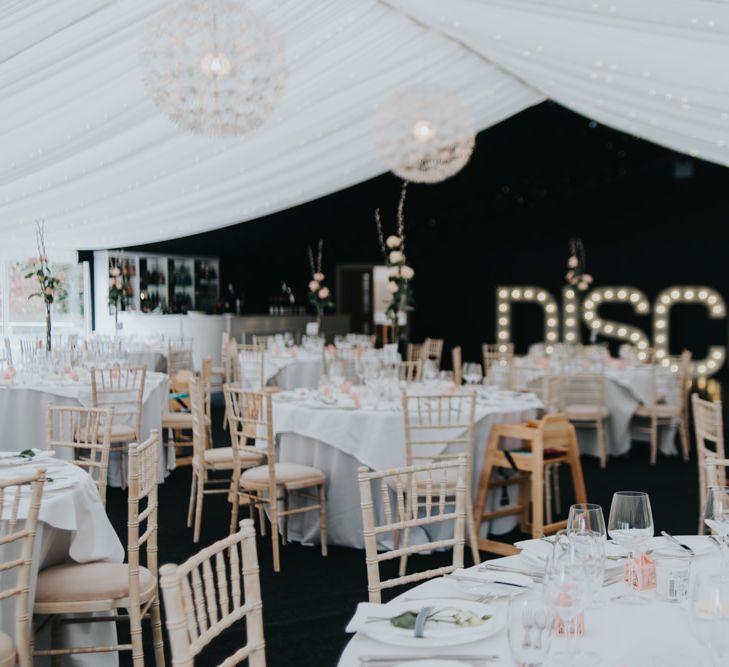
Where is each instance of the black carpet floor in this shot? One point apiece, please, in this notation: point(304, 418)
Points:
point(307, 605)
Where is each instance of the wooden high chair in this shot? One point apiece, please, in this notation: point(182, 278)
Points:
point(546, 442)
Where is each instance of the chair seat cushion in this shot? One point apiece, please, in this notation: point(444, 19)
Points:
point(84, 582)
point(287, 474)
point(176, 419)
point(7, 650)
point(660, 410)
point(585, 412)
point(225, 455)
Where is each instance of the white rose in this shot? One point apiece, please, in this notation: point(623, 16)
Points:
point(313, 286)
point(393, 241)
point(392, 287)
point(407, 272)
point(318, 277)
point(394, 272)
point(396, 257)
point(324, 293)
point(115, 271)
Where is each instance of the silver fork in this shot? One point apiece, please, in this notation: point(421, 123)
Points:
point(472, 597)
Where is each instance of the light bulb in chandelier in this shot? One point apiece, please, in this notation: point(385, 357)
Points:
point(423, 131)
point(215, 65)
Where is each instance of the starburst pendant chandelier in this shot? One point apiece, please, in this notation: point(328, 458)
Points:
point(212, 67)
point(424, 134)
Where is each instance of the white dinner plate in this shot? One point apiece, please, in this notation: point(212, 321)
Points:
point(436, 634)
point(700, 544)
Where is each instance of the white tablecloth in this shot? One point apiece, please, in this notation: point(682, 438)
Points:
point(338, 441)
point(154, 359)
point(293, 372)
point(23, 411)
point(616, 632)
point(73, 526)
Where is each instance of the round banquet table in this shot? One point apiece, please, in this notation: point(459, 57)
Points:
point(339, 441)
point(23, 409)
point(292, 370)
point(73, 527)
point(142, 355)
point(657, 633)
point(626, 387)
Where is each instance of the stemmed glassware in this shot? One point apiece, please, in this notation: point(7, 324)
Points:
point(709, 620)
point(587, 516)
point(566, 588)
point(529, 627)
point(472, 373)
point(716, 517)
point(631, 526)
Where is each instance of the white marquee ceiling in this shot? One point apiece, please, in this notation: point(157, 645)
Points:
point(84, 148)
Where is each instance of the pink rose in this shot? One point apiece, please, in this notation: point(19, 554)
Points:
point(407, 272)
point(394, 272)
point(9, 374)
point(73, 375)
point(324, 293)
point(48, 291)
point(396, 257)
point(345, 387)
point(318, 276)
point(587, 278)
point(582, 285)
point(572, 262)
point(313, 286)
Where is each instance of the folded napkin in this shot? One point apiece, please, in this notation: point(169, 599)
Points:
point(14, 458)
point(535, 553)
point(367, 610)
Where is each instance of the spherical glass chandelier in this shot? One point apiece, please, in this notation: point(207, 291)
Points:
point(424, 134)
point(212, 67)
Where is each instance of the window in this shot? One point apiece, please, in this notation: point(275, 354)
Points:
point(23, 316)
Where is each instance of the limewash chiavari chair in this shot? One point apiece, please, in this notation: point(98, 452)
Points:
point(199, 606)
point(249, 364)
point(407, 371)
point(438, 428)
point(582, 400)
point(415, 351)
point(86, 434)
point(430, 348)
point(179, 356)
point(497, 362)
point(206, 459)
point(716, 471)
point(440, 490)
point(669, 400)
point(709, 429)
point(220, 372)
point(250, 416)
point(123, 388)
point(103, 587)
point(18, 534)
point(457, 362)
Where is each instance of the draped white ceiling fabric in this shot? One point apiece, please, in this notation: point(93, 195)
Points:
point(85, 149)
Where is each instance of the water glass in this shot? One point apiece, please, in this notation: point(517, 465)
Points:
point(716, 517)
point(472, 373)
point(709, 618)
point(587, 516)
point(529, 627)
point(672, 579)
point(631, 526)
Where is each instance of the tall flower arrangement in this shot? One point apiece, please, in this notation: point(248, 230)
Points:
point(117, 292)
point(48, 284)
point(400, 274)
point(576, 275)
point(319, 294)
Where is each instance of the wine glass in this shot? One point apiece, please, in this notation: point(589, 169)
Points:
point(716, 517)
point(529, 627)
point(472, 373)
point(631, 526)
point(565, 590)
point(709, 619)
point(587, 516)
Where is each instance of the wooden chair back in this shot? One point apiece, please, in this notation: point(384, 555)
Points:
point(716, 470)
point(86, 434)
point(457, 361)
point(709, 431)
point(582, 388)
point(203, 598)
point(406, 371)
point(411, 497)
point(179, 356)
point(501, 354)
point(142, 512)
point(439, 427)
point(248, 365)
point(415, 351)
point(20, 540)
point(120, 387)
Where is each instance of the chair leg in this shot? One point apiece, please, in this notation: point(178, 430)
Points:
point(262, 518)
point(157, 640)
point(602, 442)
point(123, 466)
point(654, 439)
point(274, 535)
point(406, 536)
point(537, 500)
point(193, 492)
point(684, 436)
point(323, 521)
point(55, 641)
point(548, 494)
point(199, 505)
point(556, 490)
point(472, 539)
point(135, 631)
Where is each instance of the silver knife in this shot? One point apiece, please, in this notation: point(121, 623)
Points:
point(421, 619)
point(673, 540)
point(476, 580)
point(393, 659)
